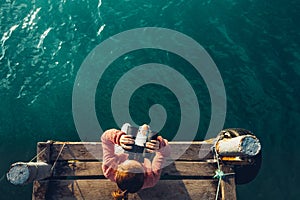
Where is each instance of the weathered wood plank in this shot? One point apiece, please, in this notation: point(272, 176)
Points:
point(78, 168)
point(178, 168)
point(84, 159)
point(44, 151)
point(101, 189)
point(39, 190)
point(228, 190)
point(77, 151)
point(93, 150)
point(43, 155)
point(183, 168)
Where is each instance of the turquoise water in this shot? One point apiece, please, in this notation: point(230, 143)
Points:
point(255, 45)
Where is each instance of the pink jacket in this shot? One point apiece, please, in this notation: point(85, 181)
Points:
point(112, 160)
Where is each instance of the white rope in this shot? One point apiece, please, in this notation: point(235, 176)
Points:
point(218, 173)
point(218, 188)
point(38, 154)
point(52, 168)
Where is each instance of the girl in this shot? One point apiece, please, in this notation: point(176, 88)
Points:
point(131, 175)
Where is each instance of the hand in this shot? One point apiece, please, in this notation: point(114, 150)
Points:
point(126, 142)
point(152, 146)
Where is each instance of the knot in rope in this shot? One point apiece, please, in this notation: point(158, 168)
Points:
point(219, 174)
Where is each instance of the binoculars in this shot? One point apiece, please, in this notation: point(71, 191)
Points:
point(141, 135)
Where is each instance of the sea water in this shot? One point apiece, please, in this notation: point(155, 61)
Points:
point(254, 44)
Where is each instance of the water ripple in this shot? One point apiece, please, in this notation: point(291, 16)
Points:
point(29, 19)
point(43, 36)
point(99, 3)
point(4, 38)
point(100, 29)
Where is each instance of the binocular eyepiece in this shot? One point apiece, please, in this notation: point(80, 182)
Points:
point(141, 135)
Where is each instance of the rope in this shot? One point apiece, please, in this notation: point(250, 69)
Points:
point(38, 154)
point(52, 168)
point(219, 174)
point(78, 187)
point(218, 188)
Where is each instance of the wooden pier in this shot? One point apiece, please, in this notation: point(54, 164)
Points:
point(67, 170)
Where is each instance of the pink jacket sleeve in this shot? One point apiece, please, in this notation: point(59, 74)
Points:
point(153, 171)
point(110, 159)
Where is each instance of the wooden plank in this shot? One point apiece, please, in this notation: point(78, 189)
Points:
point(101, 189)
point(43, 151)
point(93, 151)
point(43, 155)
point(84, 159)
point(39, 190)
point(77, 151)
point(178, 168)
point(78, 168)
point(228, 189)
point(183, 168)
point(191, 151)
